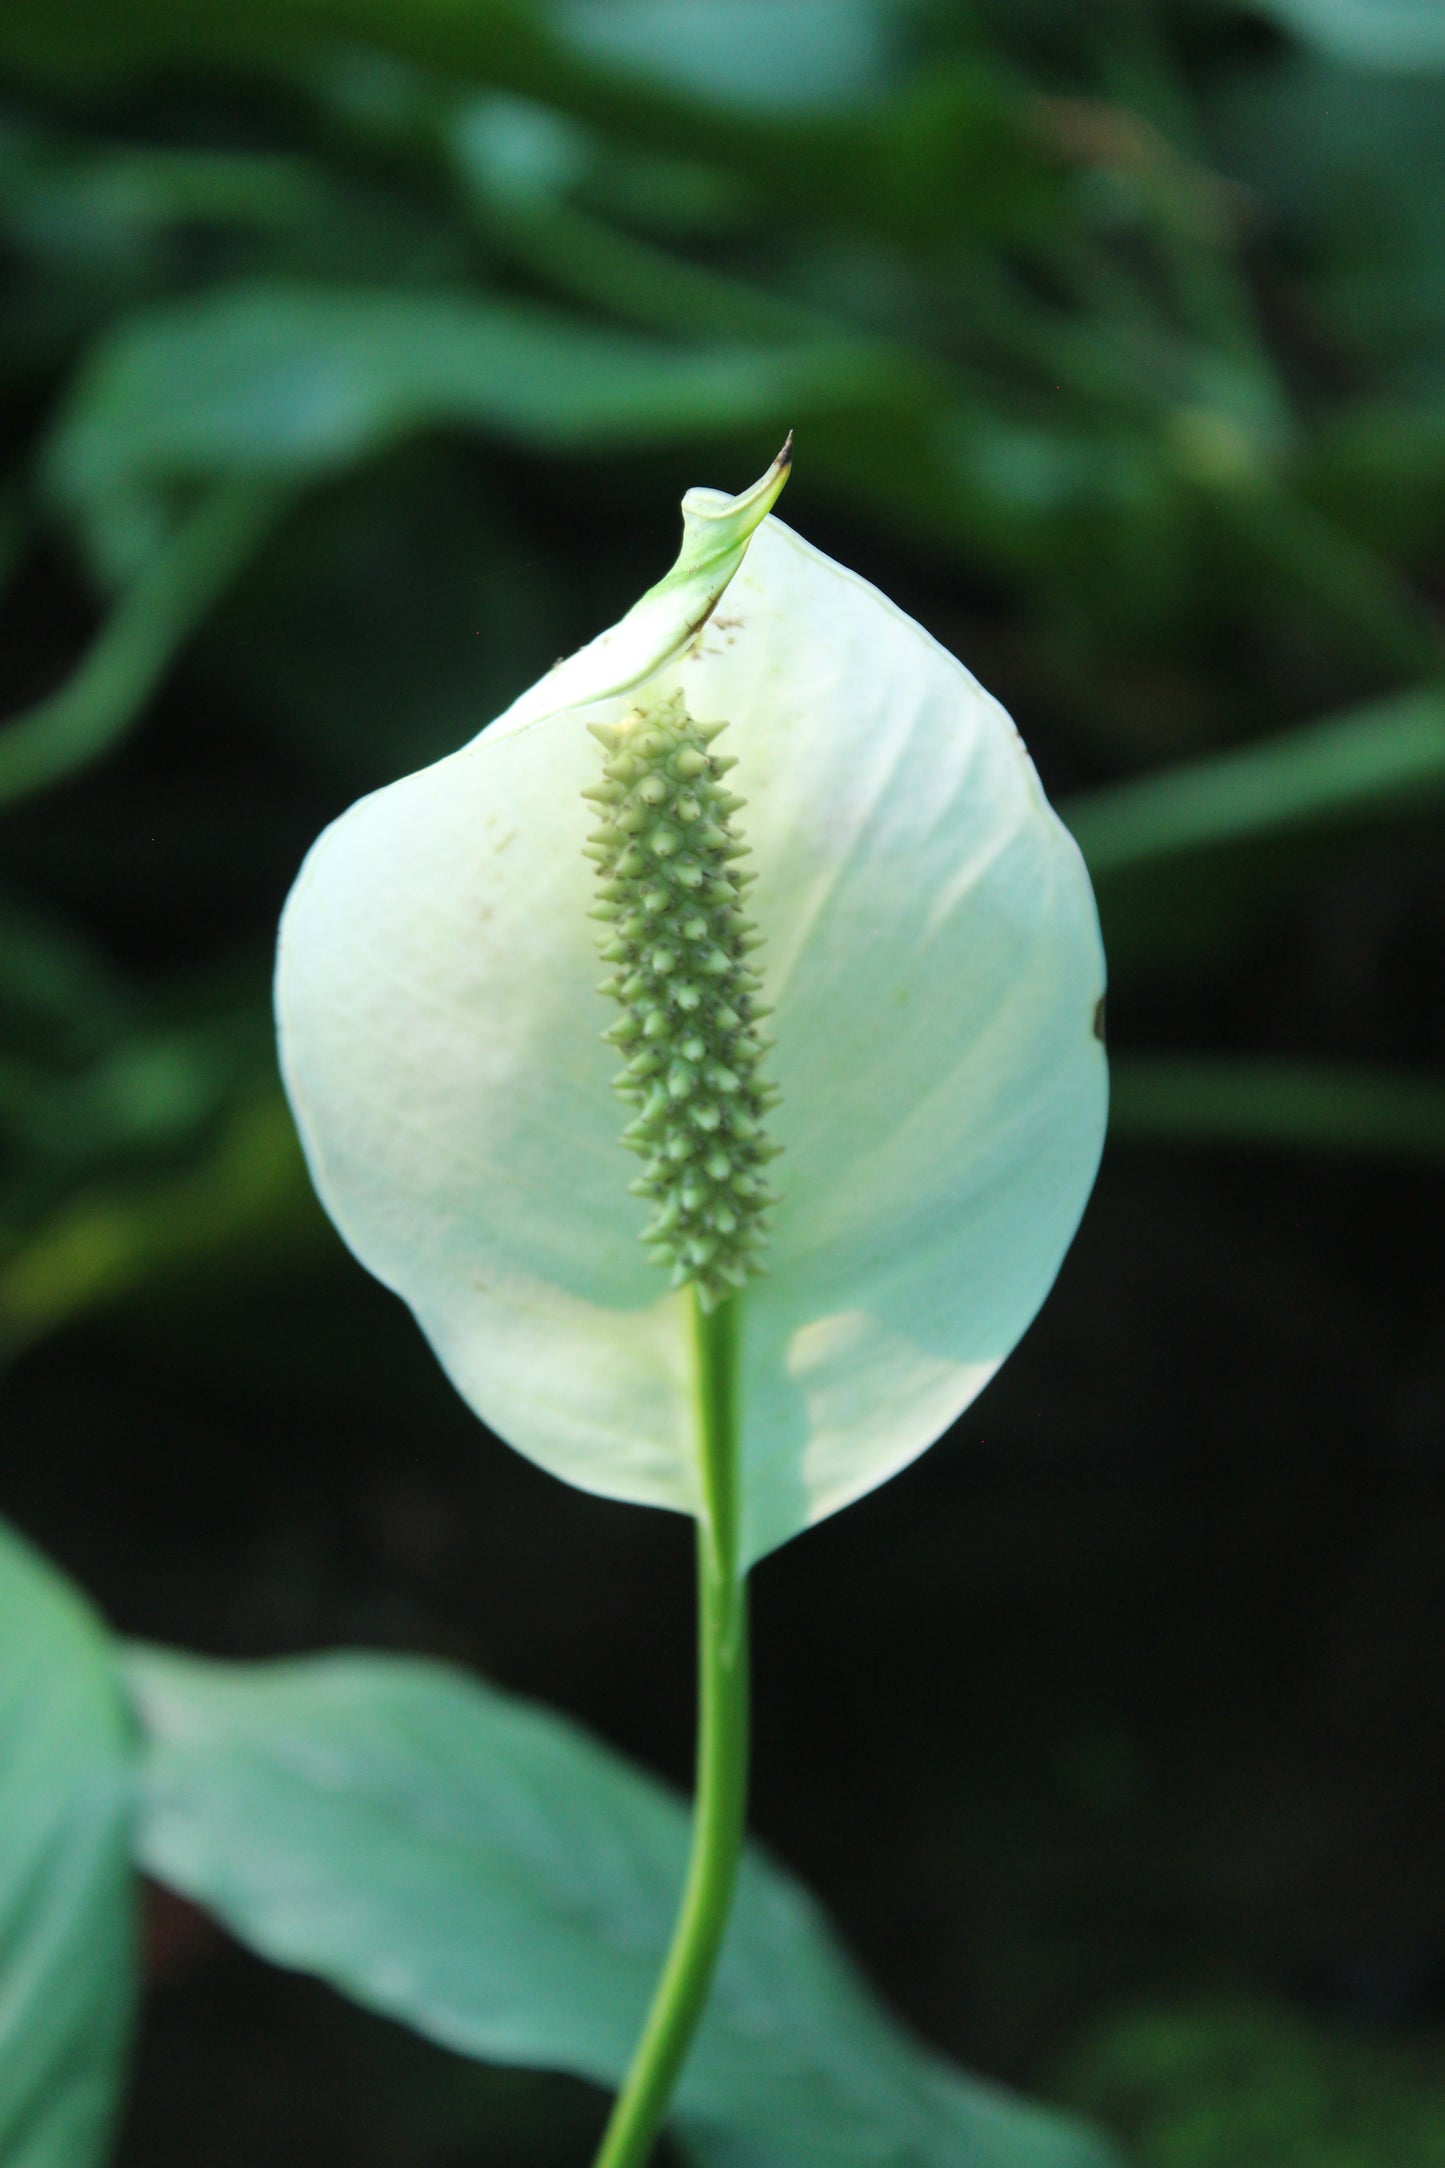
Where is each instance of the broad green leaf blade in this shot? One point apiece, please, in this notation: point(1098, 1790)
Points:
point(67, 1971)
point(483, 1871)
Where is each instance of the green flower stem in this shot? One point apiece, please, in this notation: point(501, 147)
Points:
point(720, 1808)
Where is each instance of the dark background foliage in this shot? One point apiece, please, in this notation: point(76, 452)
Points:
point(354, 356)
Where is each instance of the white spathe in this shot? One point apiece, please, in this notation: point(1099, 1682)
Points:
point(934, 961)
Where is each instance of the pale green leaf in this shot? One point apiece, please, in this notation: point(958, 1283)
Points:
point(777, 56)
point(66, 1959)
point(488, 1874)
point(933, 956)
point(1390, 35)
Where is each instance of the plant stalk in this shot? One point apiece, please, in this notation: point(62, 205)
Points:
point(720, 1805)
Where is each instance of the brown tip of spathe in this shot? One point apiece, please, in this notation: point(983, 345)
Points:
point(785, 456)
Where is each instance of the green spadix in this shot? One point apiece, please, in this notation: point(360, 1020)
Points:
point(921, 927)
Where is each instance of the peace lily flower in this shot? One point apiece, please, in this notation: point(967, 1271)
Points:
point(922, 928)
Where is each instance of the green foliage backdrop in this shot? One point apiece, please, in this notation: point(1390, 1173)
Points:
point(333, 334)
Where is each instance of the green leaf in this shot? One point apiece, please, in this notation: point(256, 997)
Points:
point(105, 697)
point(1371, 760)
point(289, 380)
point(66, 1959)
point(58, 993)
point(767, 55)
point(1211, 2084)
point(1379, 468)
point(1183, 859)
point(248, 1191)
point(484, 1872)
point(1387, 34)
point(1294, 1105)
point(954, 149)
point(1352, 165)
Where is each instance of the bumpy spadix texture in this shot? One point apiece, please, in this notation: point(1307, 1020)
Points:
point(932, 957)
point(670, 900)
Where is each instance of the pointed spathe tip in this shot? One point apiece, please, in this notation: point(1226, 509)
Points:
point(732, 519)
point(716, 530)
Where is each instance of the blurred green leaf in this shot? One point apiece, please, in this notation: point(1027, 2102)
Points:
point(1352, 166)
point(58, 996)
point(1371, 760)
point(519, 165)
point(1386, 34)
point(953, 150)
point(150, 623)
point(1276, 1105)
point(778, 55)
point(485, 1872)
point(77, 201)
point(150, 1093)
point(66, 1959)
point(113, 1238)
point(290, 382)
point(1279, 538)
point(1185, 858)
point(1251, 2084)
point(1378, 467)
